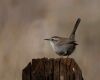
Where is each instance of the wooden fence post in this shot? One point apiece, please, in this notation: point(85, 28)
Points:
point(52, 69)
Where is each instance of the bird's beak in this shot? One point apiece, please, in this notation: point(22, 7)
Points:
point(76, 44)
point(47, 39)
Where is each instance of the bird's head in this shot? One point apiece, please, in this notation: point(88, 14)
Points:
point(54, 39)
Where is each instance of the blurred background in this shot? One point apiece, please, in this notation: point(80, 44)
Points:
point(25, 23)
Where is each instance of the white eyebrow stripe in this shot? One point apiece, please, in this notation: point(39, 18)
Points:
point(55, 39)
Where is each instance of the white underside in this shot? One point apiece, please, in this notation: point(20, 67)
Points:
point(52, 44)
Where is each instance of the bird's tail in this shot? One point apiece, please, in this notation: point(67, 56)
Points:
point(72, 36)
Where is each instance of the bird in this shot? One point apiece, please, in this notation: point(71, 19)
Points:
point(64, 46)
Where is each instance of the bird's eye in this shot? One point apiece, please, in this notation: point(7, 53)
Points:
point(52, 39)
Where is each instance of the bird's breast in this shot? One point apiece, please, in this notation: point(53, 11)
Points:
point(56, 48)
point(53, 46)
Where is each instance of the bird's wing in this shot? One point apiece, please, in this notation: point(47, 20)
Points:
point(63, 42)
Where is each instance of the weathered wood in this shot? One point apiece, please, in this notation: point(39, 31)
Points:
point(38, 69)
point(52, 69)
point(26, 74)
point(49, 69)
point(56, 69)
